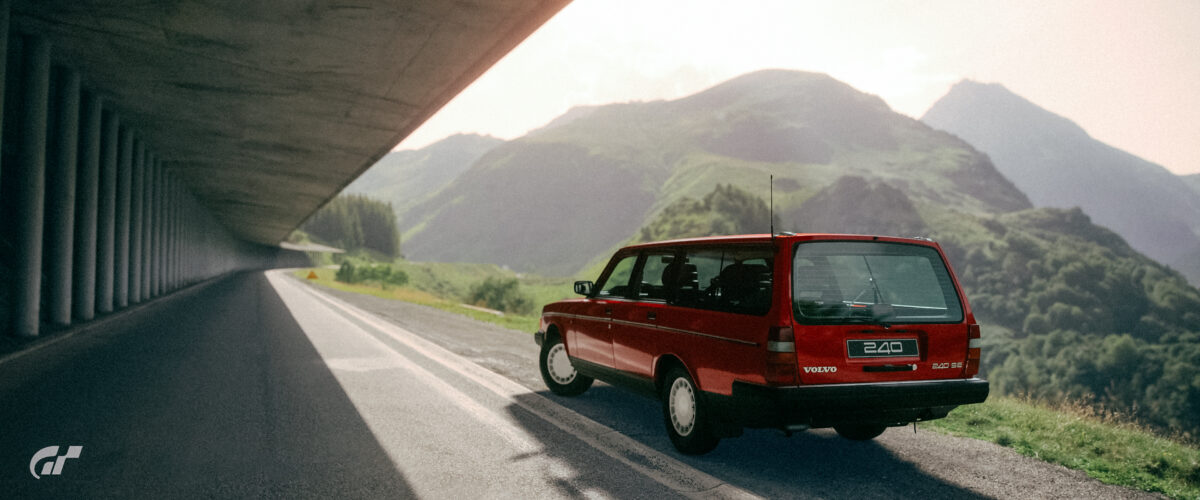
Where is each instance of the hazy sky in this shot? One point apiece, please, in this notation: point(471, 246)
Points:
point(1128, 72)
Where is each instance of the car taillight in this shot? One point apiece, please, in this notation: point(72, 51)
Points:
point(781, 355)
point(973, 350)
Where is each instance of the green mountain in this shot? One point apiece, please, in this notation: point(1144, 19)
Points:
point(555, 199)
point(1058, 164)
point(1070, 309)
point(726, 210)
point(404, 178)
point(855, 205)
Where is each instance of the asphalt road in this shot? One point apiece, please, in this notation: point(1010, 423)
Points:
point(260, 385)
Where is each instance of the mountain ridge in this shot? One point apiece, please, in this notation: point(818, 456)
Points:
point(1057, 164)
point(403, 178)
point(1070, 309)
point(552, 200)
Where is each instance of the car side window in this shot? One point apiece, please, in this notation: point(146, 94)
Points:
point(730, 279)
point(617, 282)
point(657, 276)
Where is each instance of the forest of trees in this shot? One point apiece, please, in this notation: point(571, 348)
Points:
point(726, 210)
point(1085, 317)
point(354, 222)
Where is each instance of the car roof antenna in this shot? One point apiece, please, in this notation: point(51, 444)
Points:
point(771, 210)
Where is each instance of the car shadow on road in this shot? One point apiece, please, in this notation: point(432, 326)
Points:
point(813, 464)
point(219, 394)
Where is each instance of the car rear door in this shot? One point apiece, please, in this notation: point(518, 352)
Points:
point(868, 311)
point(718, 312)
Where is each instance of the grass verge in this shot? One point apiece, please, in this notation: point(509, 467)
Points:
point(1076, 437)
point(324, 278)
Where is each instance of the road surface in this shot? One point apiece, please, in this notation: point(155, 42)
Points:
point(261, 385)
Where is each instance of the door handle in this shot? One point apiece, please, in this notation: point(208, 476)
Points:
point(651, 315)
point(608, 311)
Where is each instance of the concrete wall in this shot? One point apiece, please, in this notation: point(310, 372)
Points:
point(92, 218)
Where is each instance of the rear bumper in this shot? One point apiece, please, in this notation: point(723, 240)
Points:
point(539, 337)
point(892, 403)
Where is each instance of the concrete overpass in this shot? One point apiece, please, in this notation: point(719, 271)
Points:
point(151, 145)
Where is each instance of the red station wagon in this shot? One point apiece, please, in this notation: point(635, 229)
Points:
point(793, 332)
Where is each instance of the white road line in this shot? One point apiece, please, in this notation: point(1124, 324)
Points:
point(517, 438)
point(664, 469)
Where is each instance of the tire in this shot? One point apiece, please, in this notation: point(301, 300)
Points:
point(860, 432)
point(558, 374)
point(685, 414)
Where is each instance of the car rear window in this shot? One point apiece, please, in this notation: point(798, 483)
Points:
point(872, 282)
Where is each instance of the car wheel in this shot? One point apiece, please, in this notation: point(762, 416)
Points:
point(558, 373)
point(860, 432)
point(685, 414)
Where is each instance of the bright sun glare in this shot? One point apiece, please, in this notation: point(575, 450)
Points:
point(1125, 72)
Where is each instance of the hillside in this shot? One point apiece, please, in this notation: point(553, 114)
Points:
point(405, 177)
point(1070, 310)
point(553, 200)
point(1085, 316)
point(1058, 164)
point(1192, 181)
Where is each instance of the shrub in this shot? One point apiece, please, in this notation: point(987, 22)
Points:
point(382, 274)
point(501, 294)
point(346, 273)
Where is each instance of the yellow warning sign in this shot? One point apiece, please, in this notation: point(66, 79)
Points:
point(312, 275)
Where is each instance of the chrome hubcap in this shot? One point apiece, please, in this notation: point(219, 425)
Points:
point(559, 365)
point(683, 407)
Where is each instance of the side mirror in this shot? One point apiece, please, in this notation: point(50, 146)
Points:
point(584, 287)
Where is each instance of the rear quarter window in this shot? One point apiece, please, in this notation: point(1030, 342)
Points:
point(736, 279)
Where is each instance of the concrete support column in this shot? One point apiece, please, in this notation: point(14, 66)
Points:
point(156, 222)
point(147, 225)
point(121, 218)
point(189, 240)
point(87, 196)
point(137, 190)
point(4, 10)
point(62, 161)
point(172, 232)
point(160, 256)
point(106, 205)
point(29, 179)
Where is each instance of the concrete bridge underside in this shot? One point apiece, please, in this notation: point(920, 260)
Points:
point(148, 145)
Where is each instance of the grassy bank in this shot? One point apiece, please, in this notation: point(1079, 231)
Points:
point(1105, 448)
point(411, 293)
